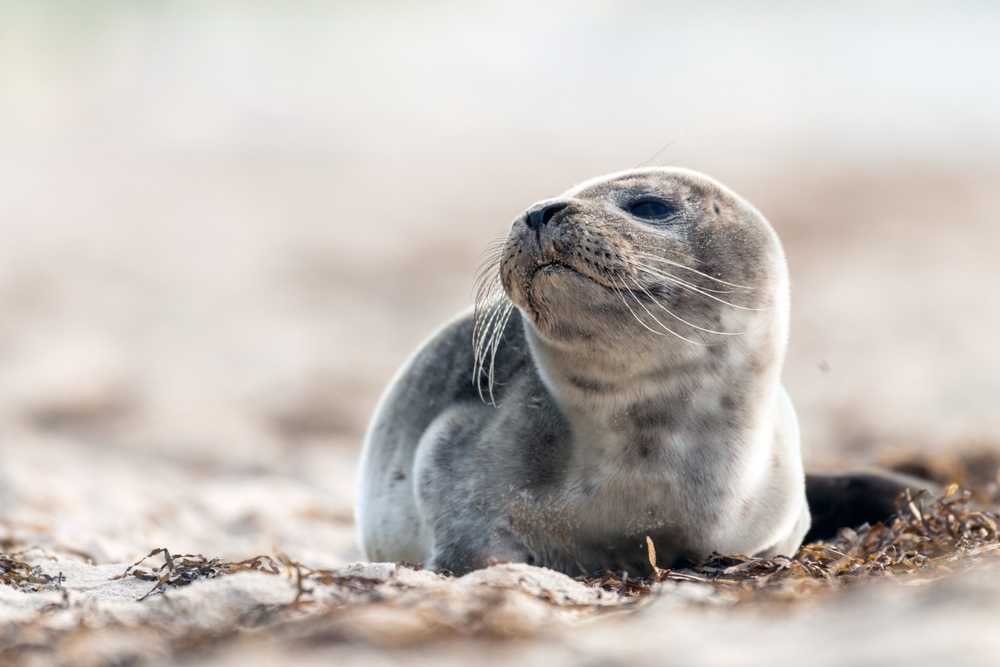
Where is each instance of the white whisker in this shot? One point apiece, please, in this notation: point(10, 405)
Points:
point(665, 327)
point(655, 271)
point(690, 324)
point(695, 289)
point(657, 258)
point(492, 312)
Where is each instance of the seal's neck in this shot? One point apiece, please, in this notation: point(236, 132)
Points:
point(658, 398)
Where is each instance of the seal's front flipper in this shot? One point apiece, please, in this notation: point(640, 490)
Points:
point(838, 501)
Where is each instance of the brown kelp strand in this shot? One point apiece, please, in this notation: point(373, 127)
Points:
point(182, 570)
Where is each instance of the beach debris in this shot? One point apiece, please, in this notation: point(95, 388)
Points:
point(22, 576)
point(182, 570)
point(925, 534)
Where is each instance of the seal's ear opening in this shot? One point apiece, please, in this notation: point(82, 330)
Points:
point(839, 501)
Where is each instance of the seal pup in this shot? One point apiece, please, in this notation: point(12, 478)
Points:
point(625, 355)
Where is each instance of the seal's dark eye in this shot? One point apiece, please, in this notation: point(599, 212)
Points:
point(650, 209)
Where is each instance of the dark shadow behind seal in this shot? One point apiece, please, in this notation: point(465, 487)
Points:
point(839, 501)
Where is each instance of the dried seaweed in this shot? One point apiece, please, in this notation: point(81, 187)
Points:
point(304, 574)
point(182, 570)
point(21, 576)
point(925, 534)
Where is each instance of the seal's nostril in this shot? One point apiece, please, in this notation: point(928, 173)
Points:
point(541, 216)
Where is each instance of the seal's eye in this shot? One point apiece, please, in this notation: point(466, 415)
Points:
point(650, 209)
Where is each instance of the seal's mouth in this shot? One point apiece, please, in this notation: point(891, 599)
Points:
point(568, 267)
point(546, 265)
point(577, 278)
point(550, 266)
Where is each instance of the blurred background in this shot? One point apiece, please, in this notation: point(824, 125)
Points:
point(224, 225)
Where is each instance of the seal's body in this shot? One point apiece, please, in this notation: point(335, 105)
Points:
point(625, 384)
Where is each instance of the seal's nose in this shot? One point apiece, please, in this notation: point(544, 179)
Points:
point(541, 216)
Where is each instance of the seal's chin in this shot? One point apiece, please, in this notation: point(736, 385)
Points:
point(559, 296)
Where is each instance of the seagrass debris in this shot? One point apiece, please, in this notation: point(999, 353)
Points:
point(181, 570)
point(22, 576)
point(184, 569)
point(926, 535)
